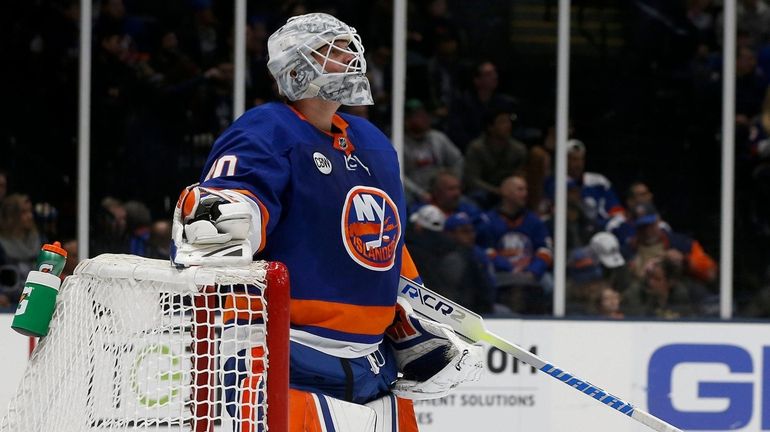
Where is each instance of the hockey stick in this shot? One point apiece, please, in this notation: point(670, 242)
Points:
point(471, 326)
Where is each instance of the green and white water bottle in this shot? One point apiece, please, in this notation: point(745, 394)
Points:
point(38, 300)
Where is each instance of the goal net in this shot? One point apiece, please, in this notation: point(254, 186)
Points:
point(136, 344)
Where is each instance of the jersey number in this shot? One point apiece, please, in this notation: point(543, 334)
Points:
point(225, 164)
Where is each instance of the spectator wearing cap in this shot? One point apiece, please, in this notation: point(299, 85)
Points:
point(446, 266)
point(593, 273)
point(585, 281)
point(652, 242)
point(516, 233)
point(492, 157)
point(460, 227)
point(595, 189)
point(606, 248)
point(428, 217)
point(427, 244)
point(426, 152)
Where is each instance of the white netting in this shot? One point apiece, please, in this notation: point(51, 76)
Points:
point(136, 344)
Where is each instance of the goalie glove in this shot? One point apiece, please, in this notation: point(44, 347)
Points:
point(210, 228)
point(431, 357)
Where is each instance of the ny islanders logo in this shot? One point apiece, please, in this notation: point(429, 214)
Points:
point(371, 228)
point(518, 248)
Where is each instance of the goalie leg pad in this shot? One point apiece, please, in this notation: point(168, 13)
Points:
point(394, 414)
point(313, 412)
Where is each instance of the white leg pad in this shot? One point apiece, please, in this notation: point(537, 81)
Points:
point(344, 416)
point(387, 413)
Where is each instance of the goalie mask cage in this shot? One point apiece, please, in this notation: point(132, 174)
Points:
point(136, 344)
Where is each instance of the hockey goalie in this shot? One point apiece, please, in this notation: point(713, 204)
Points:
point(298, 183)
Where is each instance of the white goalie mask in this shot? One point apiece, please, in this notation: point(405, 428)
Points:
point(302, 50)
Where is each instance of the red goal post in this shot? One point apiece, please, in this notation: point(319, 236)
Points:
point(136, 344)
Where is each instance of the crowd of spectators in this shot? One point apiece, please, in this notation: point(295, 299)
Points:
point(120, 227)
point(478, 148)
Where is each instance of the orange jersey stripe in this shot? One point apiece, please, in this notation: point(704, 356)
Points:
point(408, 269)
point(366, 320)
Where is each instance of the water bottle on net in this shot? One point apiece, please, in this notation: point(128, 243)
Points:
point(38, 300)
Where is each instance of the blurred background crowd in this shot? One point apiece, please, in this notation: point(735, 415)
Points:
point(643, 156)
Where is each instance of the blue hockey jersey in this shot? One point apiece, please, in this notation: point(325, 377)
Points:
point(332, 210)
point(597, 194)
point(523, 239)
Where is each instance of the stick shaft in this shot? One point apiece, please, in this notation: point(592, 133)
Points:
point(471, 326)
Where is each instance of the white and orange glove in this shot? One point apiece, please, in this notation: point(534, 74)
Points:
point(211, 227)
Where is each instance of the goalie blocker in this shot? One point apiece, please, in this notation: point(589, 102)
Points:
point(432, 359)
